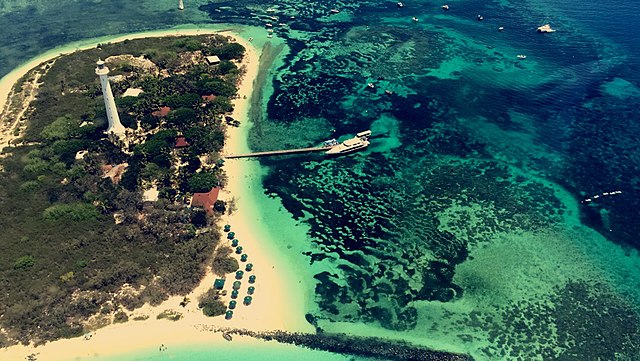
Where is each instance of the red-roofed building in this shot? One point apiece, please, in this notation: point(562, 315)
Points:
point(181, 142)
point(162, 112)
point(209, 98)
point(206, 200)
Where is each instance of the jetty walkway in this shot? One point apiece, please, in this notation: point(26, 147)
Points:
point(279, 152)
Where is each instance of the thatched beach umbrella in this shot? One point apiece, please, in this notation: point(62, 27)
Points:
point(239, 275)
point(234, 243)
point(238, 249)
point(232, 304)
point(228, 315)
point(248, 267)
point(227, 228)
point(234, 294)
point(230, 235)
point(251, 290)
point(243, 258)
point(247, 300)
point(252, 278)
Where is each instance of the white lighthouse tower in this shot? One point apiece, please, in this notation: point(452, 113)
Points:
point(115, 126)
point(180, 5)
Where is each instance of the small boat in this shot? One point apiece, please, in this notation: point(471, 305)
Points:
point(334, 11)
point(274, 18)
point(227, 336)
point(271, 10)
point(414, 19)
point(270, 36)
point(360, 141)
point(400, 5)
point(520, 56)
point(268, 25)
point(445, 7)
point(501, 28)
point(388, 92)
point(371, 86)
point(270, 30)
point(282, 24)
point(480, 17)
point(546, 28)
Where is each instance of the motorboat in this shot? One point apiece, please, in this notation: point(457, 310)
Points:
point(521, 56)
point(445, 7)
point(359, 142)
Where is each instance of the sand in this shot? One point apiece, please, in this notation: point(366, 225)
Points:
point(277, 303)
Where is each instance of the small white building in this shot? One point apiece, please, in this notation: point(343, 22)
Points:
point(81, 154)
point(132, 92)
point(213, 59)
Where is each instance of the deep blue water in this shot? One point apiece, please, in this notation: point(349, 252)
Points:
point(466, 224)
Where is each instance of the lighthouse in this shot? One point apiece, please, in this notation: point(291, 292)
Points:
point(180, 5)
point(115, 126)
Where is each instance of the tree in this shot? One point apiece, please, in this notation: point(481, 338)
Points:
point(204, 140)
point(229, 51)
point(181, 118)
point(202, 182)
point(219, 87)
point(183, 100)
point(61, 128)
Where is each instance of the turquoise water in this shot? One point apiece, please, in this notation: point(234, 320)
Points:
point(477, 221)
point(255, 350)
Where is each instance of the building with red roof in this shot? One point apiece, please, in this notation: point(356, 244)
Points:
point(206, 200)
point(209, 97)
point(181, 142)
point(162, 112)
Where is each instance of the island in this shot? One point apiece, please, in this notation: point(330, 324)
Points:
point(124, 229)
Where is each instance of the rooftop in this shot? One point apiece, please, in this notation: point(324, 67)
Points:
point(132, 92)
point(205, 200)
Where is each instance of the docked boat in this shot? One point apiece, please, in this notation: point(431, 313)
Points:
point(359, 142)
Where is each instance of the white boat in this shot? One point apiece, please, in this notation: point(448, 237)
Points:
point(334, 11)
point(400, 4)
point(520, 56)
point(360, 141)
point(445, 7)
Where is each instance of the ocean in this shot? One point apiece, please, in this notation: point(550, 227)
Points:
point(496, 212)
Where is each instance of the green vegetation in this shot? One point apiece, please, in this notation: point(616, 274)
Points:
point(223, 263)
point(63, 256)
point(211, 304)
point(170, 315)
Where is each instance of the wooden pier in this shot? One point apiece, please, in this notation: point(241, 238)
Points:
point(279, 152)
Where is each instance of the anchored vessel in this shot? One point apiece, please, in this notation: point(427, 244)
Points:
point(360, 141)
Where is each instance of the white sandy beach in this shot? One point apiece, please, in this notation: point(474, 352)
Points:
point(277, 304)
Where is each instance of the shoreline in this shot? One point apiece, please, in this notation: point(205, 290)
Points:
point(276, 305)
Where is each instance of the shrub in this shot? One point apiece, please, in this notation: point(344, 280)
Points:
point(223, 263)
point(211, 304)
point(24, 262)
point(76, 212)
point(120, 317)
